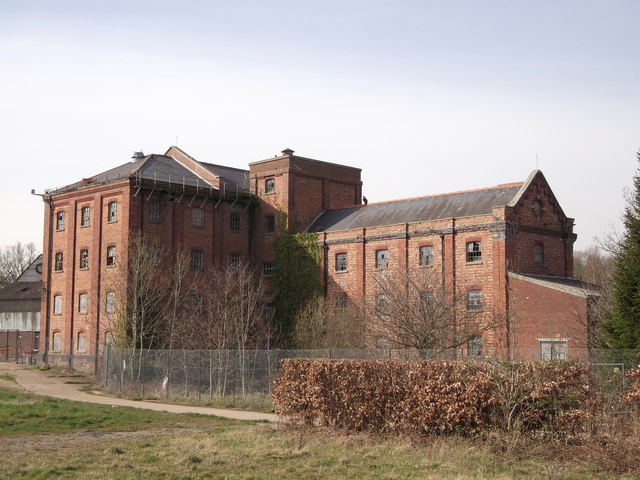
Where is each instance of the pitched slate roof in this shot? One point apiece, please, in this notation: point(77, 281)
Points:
point(165, 169)
point(459, 204)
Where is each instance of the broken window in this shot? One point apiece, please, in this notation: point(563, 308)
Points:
point(85, 217)
point(426, 255)
point(474, 252)
point(474, 300)
point(270, 185)
point(112, 212)
point(58, 262)
point(60, 221)
point(84, 259)
point(382, 258)
point(111, 256)
point(341, 262)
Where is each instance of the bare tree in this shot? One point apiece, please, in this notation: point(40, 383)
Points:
point(226, 312)
point(13, 261)
point(413, 309)
point(595, 267)
point(330, 323)
point(147, 296)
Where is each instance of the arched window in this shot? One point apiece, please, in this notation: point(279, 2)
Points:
point(81, 346)
point(55, 342)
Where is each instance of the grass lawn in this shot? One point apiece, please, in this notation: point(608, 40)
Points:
point(43, 438)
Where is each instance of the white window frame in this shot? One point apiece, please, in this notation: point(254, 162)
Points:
point(558, 349)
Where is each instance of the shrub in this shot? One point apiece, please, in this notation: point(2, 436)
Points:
point(433, 397)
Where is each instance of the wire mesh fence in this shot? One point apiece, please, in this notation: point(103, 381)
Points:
point(249, 374)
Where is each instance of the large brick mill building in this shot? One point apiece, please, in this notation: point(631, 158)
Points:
point(509, 247)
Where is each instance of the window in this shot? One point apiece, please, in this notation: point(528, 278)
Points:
point(155, 253)
point(82, 343)
point(85, 217)
point(341, 262)
point(382, 258)
point(538, 254)
point(197, 217)
point(111, 256)
point(474, 252)
point(59, 221)
point(537, 208)
point(59, 262)
point(271, 224)
point(426, 298)
point(112, 212)
point(342, 300)
point(110, 305)
point(84, 259)
point(382, 305)
point(55, 342)
point(83, 303)
point(426, 255)
point(553, 349)
point(474, 346)
point(474, 300)
point(235, 260)
point(268, 269)
point(57, 305)
point(234, 221)
point(270, 185)
point(197, 259)
point(154, 211)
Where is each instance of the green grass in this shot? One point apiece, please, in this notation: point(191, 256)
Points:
point(28, 414)
point(7, 377)
point(82, 440)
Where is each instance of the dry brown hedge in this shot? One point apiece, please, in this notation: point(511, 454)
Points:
point(434, 397)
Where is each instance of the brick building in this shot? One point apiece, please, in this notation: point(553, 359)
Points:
point(474, 239)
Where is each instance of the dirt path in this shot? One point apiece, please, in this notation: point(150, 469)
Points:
point(42, 382)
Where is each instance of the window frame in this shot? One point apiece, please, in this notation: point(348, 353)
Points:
point(56, 341)
point(235, 222)
point(155, 211)
point(83, 264)
point(197, 217)
point(110, 302)
point(197, 259)
point(83, 303)
point(473, 251)
point(270, 224)
point(60, 220)
point(85, 217)
point(474, 300)
point(235, 259)
point(382, 258)
point(341, 262)
point(58, 263)
point(382, 304)
point(81, 349)
point(425, 255)
point(561, 354)
point(112, 212)
point(268, 269)
point(269, 186)
point(111, 255)
point(57, 305)
point(474, 346)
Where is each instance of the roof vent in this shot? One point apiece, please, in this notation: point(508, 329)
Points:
point(137, 155)
point(287, 152)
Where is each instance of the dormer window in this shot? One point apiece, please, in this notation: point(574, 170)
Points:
point(270, 185)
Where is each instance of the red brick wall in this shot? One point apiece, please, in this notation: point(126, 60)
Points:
point(551, 228)
point(538, 312)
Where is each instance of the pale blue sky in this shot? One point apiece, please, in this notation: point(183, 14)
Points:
point(425, 96)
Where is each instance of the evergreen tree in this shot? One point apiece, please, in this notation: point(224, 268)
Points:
point(623, 328)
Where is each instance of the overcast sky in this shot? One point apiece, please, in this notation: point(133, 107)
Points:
point(425, 96)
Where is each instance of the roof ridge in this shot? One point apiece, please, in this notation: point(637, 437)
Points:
point(502, 185)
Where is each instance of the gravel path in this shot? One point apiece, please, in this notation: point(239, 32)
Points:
point(49, 383)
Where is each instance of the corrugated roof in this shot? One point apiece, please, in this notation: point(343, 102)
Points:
point(459, 204)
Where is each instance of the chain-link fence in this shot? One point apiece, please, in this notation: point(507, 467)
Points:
point(234, 375)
